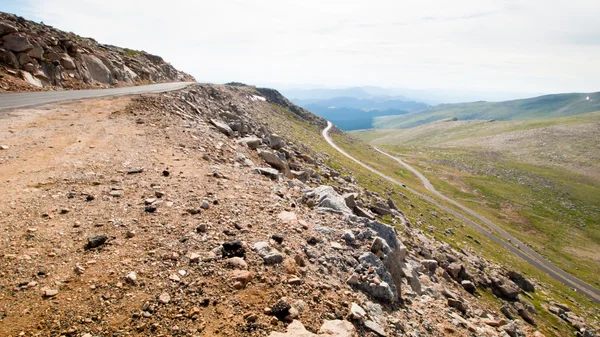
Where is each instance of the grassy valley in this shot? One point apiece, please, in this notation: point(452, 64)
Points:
point(539, 179)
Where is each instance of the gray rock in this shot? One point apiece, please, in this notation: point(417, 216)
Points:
point(252, 142)
point(222, 127)
point(457, 304)
point(97, 70)
point(350, 199)
point(275, 142)
point(273, 160)
point(430, 266)
point(521, 281)
point(349, 237)
point(469, 286)
point(269, 254)
point(387, 290)
point(409, 271)
point(376, 328)
point(356, 312)
point(267, 171)
point(17, 43)
point(329, 200)
point(508, 291)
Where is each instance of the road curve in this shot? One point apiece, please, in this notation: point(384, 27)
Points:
point(24, 99)
point(518, 248)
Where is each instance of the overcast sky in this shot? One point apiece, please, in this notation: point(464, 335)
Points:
point(532, 46)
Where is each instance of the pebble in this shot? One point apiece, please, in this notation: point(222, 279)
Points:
point(164, 298)
point(131, 277)
point(237, 262)
point(50, 293)
point(3, 147)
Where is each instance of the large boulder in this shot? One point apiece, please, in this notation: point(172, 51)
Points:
point(97, 70)
point(394, 254)
point(30, 79)
point(521, 281)
point(252, 142)
point(384, 289)
point(17, 43)
point(329, 200)
point(7, 28)
point(37, 52)
point(9, 59)
point(273, 160)
point(66, 61)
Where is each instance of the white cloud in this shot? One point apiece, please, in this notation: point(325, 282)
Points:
point(510, 45)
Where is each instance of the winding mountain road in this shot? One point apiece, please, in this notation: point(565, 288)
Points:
point(514, 245)
point(24, 99)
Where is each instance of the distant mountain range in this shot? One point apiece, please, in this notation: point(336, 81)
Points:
point(546, 106)
point(356, 111)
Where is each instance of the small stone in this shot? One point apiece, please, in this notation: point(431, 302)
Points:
point(202, 228)
point(90, 197)
point(336, 245)
point(150, 208)
point(3, 147)
point(277, 238)
point(78, 269)
point(50, 293)
point(242, 276)
point(129, 234)
point(174, 277)
point(116, 194)
point(237, 262)
point(96, 241)
point(353, 279)
point(205, 204)
point(131, 277)
point(348, 237)
point(281, 309)
point(194, 257)
point(31, 230)
point(251, 317)
point(295, 281)
point(164, 298)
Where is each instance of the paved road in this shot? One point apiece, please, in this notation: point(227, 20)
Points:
point(19, 100)
point(515, 247)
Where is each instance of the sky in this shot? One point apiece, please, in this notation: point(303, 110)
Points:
point(532, 46)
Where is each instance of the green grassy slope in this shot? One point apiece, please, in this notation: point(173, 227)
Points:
point(548, 106)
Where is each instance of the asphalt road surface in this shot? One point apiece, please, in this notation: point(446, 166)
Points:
point(515, 246)
point(19, 100)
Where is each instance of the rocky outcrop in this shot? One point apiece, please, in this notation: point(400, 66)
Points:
point(43, 57)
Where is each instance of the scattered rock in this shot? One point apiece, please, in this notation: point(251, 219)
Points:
point(96, 241)
point(267, 253)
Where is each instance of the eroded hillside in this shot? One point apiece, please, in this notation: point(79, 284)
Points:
point(213, 211)
point(39, 57)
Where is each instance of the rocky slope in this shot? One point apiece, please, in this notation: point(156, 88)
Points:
point(37, 57)
point(194, 213)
